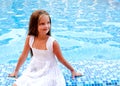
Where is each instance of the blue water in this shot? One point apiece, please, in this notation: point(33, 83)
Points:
point(85, 29)
point(88, 32)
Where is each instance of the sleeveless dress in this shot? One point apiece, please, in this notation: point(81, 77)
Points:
point(43, 69)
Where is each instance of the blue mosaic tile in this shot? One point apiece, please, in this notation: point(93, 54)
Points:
point(96, 73)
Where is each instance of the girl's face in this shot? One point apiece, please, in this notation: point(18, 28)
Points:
point(43, 25)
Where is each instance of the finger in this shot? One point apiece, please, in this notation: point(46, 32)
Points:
point(10, 75)
point(78, 74)
point(73, 77)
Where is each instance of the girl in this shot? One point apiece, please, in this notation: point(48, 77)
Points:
point(43, 69)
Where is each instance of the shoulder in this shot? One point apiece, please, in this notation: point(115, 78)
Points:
point(56, 46)
point(53, 41)
point(51, 38)
point(29, 37)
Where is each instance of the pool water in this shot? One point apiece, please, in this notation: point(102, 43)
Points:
point(88, 32)
point(85, 29)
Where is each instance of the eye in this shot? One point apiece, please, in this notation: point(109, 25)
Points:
point(48, 22)
point(41, 23)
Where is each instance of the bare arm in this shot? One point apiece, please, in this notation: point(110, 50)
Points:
point(22, 57)
point(58, 53)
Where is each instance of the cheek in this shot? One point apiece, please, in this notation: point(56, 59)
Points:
point(49, 26)
point(48, 29)
point(39, 29)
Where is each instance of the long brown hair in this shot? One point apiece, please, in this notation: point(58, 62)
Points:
point(33, 24)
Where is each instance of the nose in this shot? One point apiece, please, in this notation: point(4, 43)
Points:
point(46, 25)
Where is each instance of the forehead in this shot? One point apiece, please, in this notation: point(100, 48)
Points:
point(43, 18)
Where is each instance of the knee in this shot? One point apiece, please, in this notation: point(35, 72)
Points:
point(14, 84)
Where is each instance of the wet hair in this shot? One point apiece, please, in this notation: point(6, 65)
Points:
point(33, 24)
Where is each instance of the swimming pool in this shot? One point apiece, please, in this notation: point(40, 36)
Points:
point(87, 30)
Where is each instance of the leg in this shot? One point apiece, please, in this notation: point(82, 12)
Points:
point(14, 84)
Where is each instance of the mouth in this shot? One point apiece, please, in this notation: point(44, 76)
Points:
point(45, 29)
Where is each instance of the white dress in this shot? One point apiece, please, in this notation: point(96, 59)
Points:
point(43, 69)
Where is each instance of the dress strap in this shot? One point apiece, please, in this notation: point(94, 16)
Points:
point(31, 41)
point(50, 43)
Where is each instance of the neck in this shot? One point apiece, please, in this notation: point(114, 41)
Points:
point(43, 37)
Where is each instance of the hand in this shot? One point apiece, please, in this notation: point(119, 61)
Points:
point(14, 74)
point(74, 73)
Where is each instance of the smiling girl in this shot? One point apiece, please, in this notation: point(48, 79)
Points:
point(43, 69)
